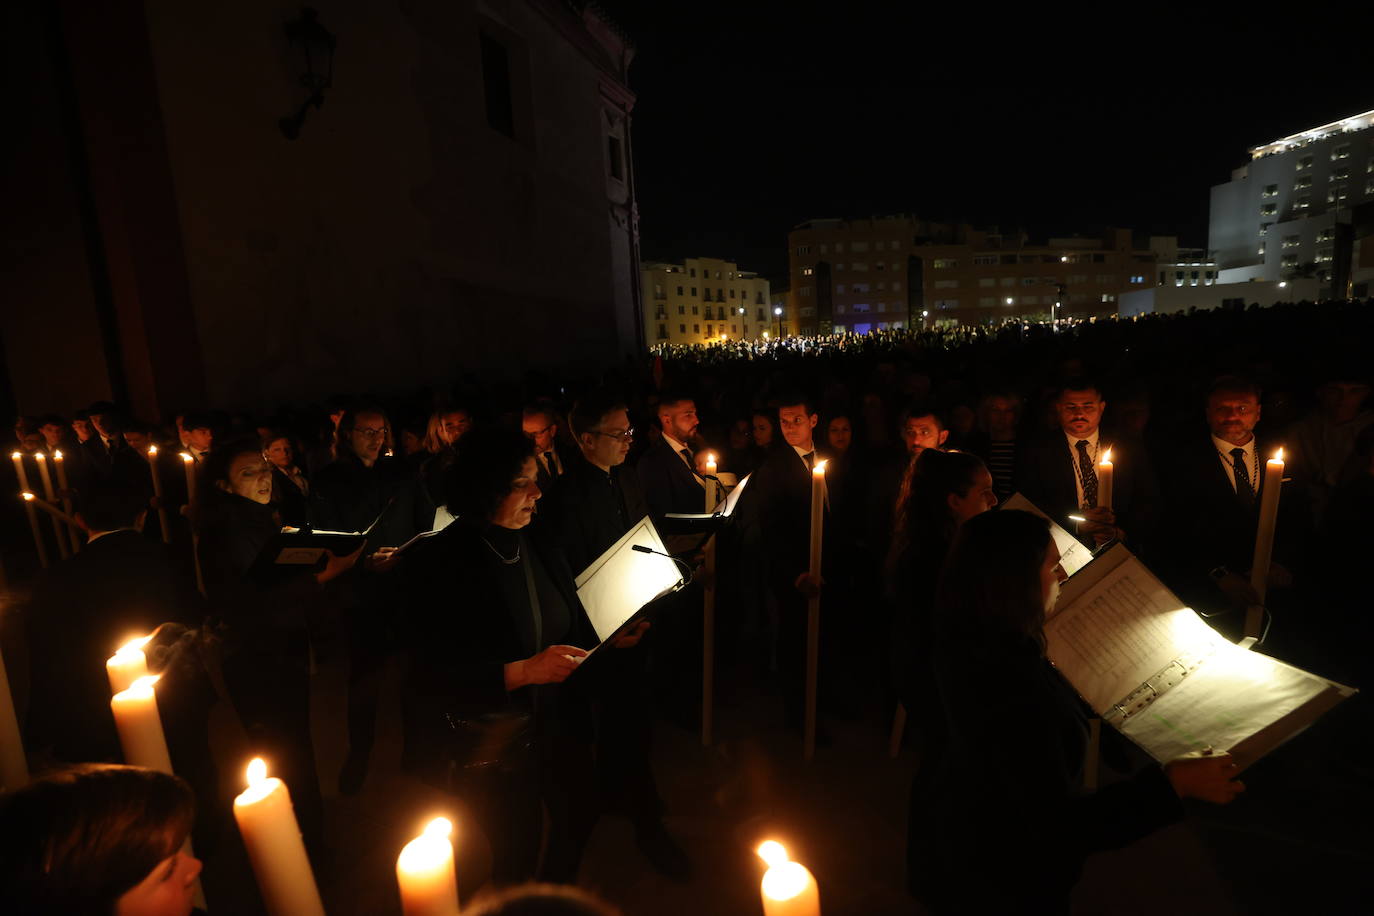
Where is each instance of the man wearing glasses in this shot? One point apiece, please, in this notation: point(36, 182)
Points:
point(540, 425)
point(596, 502)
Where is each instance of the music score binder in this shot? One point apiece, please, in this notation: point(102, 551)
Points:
point(622, 586)
point(706, 522)
point(1155, 671)
point(1073, 553)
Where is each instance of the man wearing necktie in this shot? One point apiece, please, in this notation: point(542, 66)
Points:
point(540, 425)
point(1212, 492)
point(785, 516)
point(1059, 473)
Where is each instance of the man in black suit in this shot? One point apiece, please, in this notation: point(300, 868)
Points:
point(1059, 473)
point(1213, 490)
point(785, 516)
point(539, 422)
point(667, 473)
point(595, 504)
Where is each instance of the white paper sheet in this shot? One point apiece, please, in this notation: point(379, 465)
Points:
point(623, 580)
point(1073, 553)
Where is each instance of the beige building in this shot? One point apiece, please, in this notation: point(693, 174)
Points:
point(897, 272)
point(703, 300)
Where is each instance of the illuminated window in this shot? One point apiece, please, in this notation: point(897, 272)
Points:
point(1264, 229)
point(1108, 297)
point(1261, 249)
point(1324, 256)
point(1340, 174)
point(1289, 260)
point(1337, 194)
point(807, 271)
point(945, 263)
point(1302, 184)
point(1303, 203)
point(1029, 281)
point(1304, 163)
point(1341, 152)
point(1270, 190)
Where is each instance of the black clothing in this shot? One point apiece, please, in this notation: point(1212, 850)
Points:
point(1045, 472)
point(668, 482)
point(293, 505)
point(464, 731)
point(1005, 794)
point(592, 509)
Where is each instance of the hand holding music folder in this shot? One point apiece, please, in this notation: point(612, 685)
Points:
point(294, 548)
point(624, 585)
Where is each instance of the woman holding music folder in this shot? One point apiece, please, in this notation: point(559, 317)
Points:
point(260, 608)
point(1005, 824)
point(495, 631)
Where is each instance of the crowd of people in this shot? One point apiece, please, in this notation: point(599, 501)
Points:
point(931, 599)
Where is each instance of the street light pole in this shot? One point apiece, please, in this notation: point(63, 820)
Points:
point(777, 313)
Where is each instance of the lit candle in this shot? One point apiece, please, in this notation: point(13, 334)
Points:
point(1105, 472)
point(1268, 519)
point(708, 613)
point(128, 664)
point(19, 471)
point(190, 464)
point(813, 608)
point(267, 823)
point(60, 466)
point(29, 510)
point(57, 526)
point(710, 482)
point(425, 873)
point(14, 766)
point(788, 888)
point(157, 494)
point(140, 727)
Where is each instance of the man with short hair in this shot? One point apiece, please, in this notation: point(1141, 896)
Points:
point(539, 422)
point(1212, 491)
point(1059, 473)
point(666, 472)
point(923, 428)
point(200, 435)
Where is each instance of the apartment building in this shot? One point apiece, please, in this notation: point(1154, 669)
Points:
point(703, 300)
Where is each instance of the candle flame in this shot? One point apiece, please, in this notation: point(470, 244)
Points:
point(152, 450)
point(133, 645)
point(1278, 456)
point(186, 457)
point(57, 454)
point(39, 456)
point(819, 469)
point(1107, 457)
point(440, 827)
point(785, 881)
point(257, 771)
point(16, 456)
point(27, 495)
point(772, 852)
point(141, 688)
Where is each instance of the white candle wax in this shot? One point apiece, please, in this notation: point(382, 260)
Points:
point(267, 823)
point(788, 888)
point(140, 727)
point(710, 484)
point(425, 872)
point(190, 465)
point(1268, 521)
point(127, 665)
point(19, 471)
point(1106, 471)
point(14, 766)
point(817, 515)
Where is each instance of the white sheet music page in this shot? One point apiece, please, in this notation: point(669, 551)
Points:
point(623, 580)
point(1121, 632)
point(1073, 553)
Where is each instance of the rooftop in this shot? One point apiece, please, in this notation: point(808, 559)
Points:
point(1303, 138)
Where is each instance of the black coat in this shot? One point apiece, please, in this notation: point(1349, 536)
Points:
point(291, 502)
point(462, 629)
point(1046, 471)
point(592, 509)
point(784, 508)
point(1005, 826)
point(669, 485)
point(348, 496)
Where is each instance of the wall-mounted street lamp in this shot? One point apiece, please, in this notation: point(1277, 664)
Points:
point(777, 313)
point(312, 50)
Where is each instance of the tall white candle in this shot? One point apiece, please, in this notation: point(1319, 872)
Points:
point(1105, 474)
point(157, 494)
point(788, 888)
point(59, 529)
point(813, 609)
point(60, 466)
point(140, 727)
point(190, 464)
point(267, 823)
point(127, 665)
point(1268, 521)
point(29, 510)
point(14, 766)
point(425, 872)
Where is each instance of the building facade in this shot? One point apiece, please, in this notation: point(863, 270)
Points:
point(900, 272)
point(464, 201)
point(1291, 211)
point(703, 300)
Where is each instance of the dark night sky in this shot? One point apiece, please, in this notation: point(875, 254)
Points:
point(753, 117)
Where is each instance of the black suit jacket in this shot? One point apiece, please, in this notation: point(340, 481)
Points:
point(592, 509)
point(668, 484)
point(1046, 473)
point(546, 481)
point(292, 504)
point(784, 508)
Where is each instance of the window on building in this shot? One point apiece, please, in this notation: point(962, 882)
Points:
point(1029, 281)
point(1108, 297)
point(682, 328)
point(1340, 174)
point(1260, 251)
point(807, 271)
point(1369, 186)
point(946, 284)
point(496, 86)
point(806, 291)
point(879, 245)
point(717, 275)
point(679, 291)
point(803, 250)
point(859, 288)
point(732, 294)
point(860, 307)
point(693, 272)
point(1324, 255)
point(824, 247)
point(1270, 190)
point(1341, 152)
point(734, 329)
point(984, 260)
point(1289, 260)
point(897, 287)
point(710, 330)
point(720, 295)
point(1292, 241)
point(1138, 279)
point(1304, 163)
point(1303, 183)
point(758, 296)
point(858, 246)
point(839, 247)
point(880, 266)
point(1264, 229)
point(987, 301)
point(859, 266)
point(987, 281)
point(946, 303)
point(807, 311)
point(615, 158)
point(662, 331)
point(1337, 194)
point(839, 308)
point(696, 310)
point(1008, 281)
point(945, 263)
point(839, 289)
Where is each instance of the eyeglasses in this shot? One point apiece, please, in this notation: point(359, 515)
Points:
point(619, 436)
point(369, 433)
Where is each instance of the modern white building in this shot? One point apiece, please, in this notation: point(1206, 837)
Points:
point(1287, 213)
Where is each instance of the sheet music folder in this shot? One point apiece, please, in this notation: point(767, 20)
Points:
point(1155, 671)
point(621, 586)
point(705, 522)
point(305, 546)
point(1073, 554)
